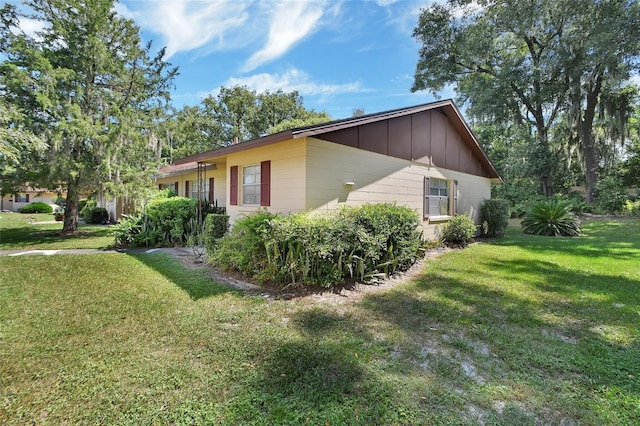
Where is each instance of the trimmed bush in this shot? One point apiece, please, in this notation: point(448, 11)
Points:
point(609, 196)
point(459, 231)
point(323, 248)
point(165, 222)
point(85, 211)
point(494, 216)
point(96, 215)
point(216, 226)
point(36, 207)
point(553, 218)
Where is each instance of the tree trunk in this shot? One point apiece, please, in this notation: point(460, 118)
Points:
point(590, 159)
point(585, 129)
point(71, 210)
point(544, 168)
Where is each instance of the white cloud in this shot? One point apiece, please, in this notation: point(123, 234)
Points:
point(31, 27)
point(290, 22)
point(188, 25)
point(289, 81)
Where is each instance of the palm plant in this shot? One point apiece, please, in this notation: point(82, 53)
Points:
point(553, 218)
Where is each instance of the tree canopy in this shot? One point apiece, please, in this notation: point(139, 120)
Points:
point(528, 63)
point(234, 115)
point(90, 90)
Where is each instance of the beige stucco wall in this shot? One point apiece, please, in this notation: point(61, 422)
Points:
point(219, 182)
point(9, 202)
point(308, 174)
point(380, 178)
point(288, 162)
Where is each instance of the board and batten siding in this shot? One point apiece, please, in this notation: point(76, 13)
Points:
point(381, 178)
point(288, 161)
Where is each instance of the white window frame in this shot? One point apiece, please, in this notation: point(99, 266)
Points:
point(251, 179)
point(440, 189)
point(193, 189)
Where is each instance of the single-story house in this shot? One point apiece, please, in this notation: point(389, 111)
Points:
point(423, 156)
point(14, 202)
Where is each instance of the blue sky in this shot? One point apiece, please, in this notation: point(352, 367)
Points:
point(339, 55)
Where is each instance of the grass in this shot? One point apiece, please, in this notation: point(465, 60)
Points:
point(16, 232)
point(524, 330)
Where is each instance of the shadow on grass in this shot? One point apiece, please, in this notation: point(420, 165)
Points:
point(613, 238)
point(33, 235)
point(317, 377)
point(551, 336)
point(194, 282)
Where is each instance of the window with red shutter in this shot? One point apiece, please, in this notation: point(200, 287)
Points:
point(265, 183)
point(233, 186)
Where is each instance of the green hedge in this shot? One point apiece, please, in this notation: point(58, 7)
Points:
point(494, 216)
point(36, 207)
point(86, 209)
point(323, 248)
point(164, 222)
point(216, 226)
point(96, 215)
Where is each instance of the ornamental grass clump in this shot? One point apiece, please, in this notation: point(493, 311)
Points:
point(552, 218)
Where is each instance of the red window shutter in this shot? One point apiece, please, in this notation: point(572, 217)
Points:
point(233, 186)
point(210, 191)
point(176, 186)
point(265, 183)
point(186, 189)
point(27, 197)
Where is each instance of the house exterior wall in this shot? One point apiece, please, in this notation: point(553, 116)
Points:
point(9, 202)
point(219, 175)
point(287, 183)
point(380, 178)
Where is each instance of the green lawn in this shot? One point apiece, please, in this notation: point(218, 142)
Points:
point(16, 232)
point(526, 330)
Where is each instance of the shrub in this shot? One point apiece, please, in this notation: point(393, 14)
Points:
point(168, 220)
point(244, 249)
point(164, 222)
point(494, 216)
point(36, 207)
point(96, 215)
point(216, 226)
point(85, 211)
point(631, 208)
point(81, 205)
point(551, 217)
point(459, 231)
point(323, 248)
point(128, 229)
point(609, 196)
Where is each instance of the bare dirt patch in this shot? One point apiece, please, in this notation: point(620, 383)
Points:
point(346, 293)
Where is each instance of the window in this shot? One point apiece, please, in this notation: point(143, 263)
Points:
point(204, 194)
point(256, 184)
point(437, 197)
point(251, 185)
point(22, 198)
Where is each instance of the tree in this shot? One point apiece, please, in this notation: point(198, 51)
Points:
point(238, 114)
point(525, 62)
point(93, 92)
